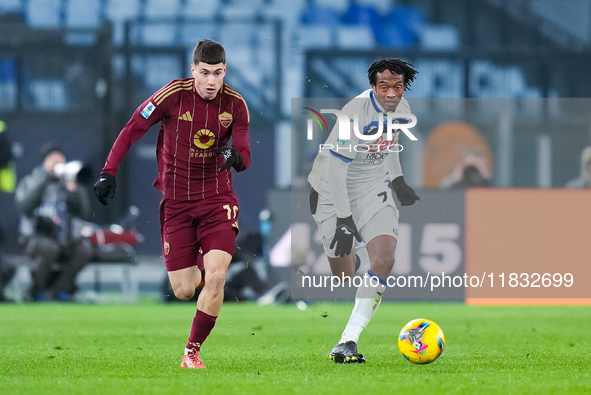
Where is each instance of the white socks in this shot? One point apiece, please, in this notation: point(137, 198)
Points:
point(367, 300)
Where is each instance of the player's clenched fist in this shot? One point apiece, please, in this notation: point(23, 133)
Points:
point(233, 157)
point(343, 236)
point(105, 187)
point(404, 193)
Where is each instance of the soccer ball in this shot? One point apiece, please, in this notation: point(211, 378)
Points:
point(421, 341)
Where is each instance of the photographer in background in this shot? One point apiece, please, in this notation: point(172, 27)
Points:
point(49, 198)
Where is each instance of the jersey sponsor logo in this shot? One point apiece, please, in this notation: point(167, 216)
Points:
point(204, 138)
point(225, 119)
point(375, 158)
point(199, 153)
point(148, 110)
point(381, 144)
point(186, 117)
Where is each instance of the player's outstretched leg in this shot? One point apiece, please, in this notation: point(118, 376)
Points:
point(203, 324)
point(209, 305)
point(367, 300)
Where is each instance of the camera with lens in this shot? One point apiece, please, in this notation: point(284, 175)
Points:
point(73, 171)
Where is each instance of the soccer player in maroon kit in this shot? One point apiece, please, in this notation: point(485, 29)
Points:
point(199, 208)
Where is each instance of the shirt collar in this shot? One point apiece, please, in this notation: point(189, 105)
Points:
point(375, 103)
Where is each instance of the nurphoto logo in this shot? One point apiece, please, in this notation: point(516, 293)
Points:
point(374, 131)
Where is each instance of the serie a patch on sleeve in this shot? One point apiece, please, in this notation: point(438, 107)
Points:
point(148, 110)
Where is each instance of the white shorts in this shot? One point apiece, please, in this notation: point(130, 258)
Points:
point(380, 218)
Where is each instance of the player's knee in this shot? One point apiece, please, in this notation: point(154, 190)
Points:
point(184, 292)
point(384, 263)
point(216, 279)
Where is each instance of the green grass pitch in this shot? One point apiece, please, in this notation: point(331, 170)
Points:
point(136, 349)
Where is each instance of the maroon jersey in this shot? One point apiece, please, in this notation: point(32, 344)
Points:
point(191, 130)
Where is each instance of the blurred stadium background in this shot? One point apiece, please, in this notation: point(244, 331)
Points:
point(73, 71)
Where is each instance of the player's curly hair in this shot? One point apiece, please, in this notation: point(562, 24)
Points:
point(395, 66)
point(210, 52)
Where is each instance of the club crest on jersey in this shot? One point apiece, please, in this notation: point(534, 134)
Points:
point(166, 248)
point(225, 119)
point(148, 110)
point(204, 138)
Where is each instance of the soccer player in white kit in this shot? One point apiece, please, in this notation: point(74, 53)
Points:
point(352, 182)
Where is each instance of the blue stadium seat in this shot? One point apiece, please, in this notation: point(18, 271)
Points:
point(362, 15)
point(439, 37)
point(159, 33)
point(117, 10)
point(287, 10)
point(239, 9)
point(383, 7)
point(200, 9)
point(355, 37)
point(393, 35)
point(339, 6)
point(401, 28)
point(411, 17)
point(159, 9)
point(12, 7)
point(191, 33)
point(313, 15)
point(83, 14)
point(43, 13)
point(237, 34)
point(314, 37)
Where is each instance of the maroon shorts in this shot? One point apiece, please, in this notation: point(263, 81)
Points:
point(190, 229)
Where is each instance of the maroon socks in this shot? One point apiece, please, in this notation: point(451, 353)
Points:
point(202, 325)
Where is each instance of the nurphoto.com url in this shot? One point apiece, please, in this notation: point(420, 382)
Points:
point(433, 282)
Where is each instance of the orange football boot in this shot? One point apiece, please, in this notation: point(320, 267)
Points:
point(192, 361)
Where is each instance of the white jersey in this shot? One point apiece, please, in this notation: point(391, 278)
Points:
point(371, 163)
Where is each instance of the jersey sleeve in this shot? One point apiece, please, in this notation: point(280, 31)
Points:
point(240, 139)
point(142, 119)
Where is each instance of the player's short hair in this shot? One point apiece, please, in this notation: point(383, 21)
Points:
point(395, 66)
point(210, 52)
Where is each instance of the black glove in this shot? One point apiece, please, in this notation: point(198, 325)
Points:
point(105, 187)
point(404, 193)
point(343, 236)
point(233, 157)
